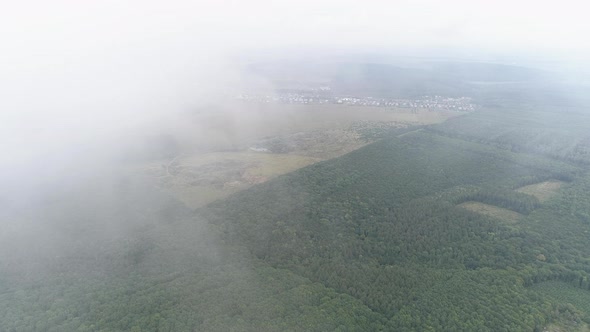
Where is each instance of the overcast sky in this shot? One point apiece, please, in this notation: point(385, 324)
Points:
point(500, 25)
point(74, 70)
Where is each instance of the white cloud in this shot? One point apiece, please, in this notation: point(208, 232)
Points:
point(81, 69)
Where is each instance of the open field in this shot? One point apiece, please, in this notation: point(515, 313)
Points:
point(272, 139)
point(543, 190)
point(202, 178)
point(238, 124)
point(308, 117)
point(492, 211)
point(342, 115)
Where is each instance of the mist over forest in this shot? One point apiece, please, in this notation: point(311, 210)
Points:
point(239, 167)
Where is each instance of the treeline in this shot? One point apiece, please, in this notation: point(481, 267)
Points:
point(555, 272)
point(548, 132)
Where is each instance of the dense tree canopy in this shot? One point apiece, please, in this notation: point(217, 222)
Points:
point(374, 240)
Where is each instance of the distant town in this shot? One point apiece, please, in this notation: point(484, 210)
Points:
point(438, 103)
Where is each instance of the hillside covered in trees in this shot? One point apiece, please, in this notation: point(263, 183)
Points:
point(274, 166)
point(374, 240)
point(480, 223)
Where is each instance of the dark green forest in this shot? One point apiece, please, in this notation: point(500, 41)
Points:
point(372, 241)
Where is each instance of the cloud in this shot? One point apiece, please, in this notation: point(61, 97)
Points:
point(80, 70)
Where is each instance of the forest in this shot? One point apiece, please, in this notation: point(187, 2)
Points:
point(373, 240)
point(304, 166)
point(378, 239)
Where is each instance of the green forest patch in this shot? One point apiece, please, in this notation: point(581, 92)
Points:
point(566, 293)
point(563, 296)
point(542, 190)
point(492, 211)
point(545, 131)
point(560, 328)
point(368, 241)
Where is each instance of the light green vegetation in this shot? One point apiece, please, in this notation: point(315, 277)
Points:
point(341, 116)
point(542, 190)
point(492, 211)
point(240, 124)
point(200, 179)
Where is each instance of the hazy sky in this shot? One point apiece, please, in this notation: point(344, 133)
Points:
point(76, 70)
point(94, 25)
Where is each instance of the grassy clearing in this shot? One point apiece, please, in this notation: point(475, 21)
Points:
point(492, 211)
point(201, 179)
point(542, 190)
point(271, 165)
point(197, 196)
point(295, 118)
point(240, 123)
point(265, 164)
point(309, 133)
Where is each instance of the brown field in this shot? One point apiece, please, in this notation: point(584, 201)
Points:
point(492, 211)
point(543, 190)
